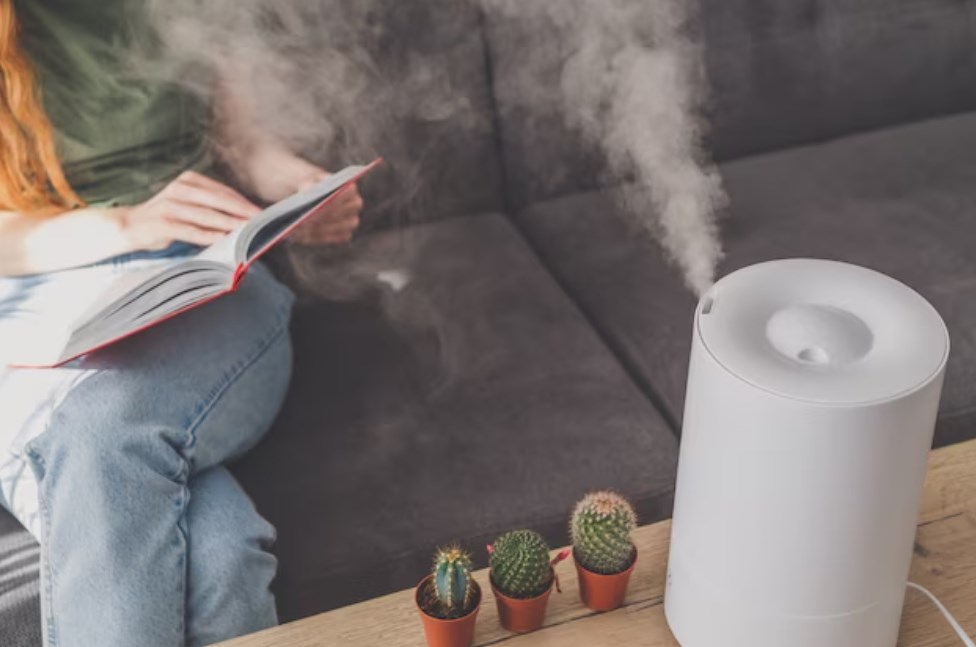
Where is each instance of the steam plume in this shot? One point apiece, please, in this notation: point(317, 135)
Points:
point(633, 83)
point(337, 81)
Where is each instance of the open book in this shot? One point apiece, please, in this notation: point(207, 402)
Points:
point(144, 298)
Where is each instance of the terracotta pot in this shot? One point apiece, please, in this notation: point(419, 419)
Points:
point(522, 615)
point(603, 592)
point(458, 632)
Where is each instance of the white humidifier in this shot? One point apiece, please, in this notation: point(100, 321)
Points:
point(812, 397)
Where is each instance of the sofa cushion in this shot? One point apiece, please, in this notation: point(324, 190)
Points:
point(20, 611)
point(474, 401)
point(901, 201)
point(782, 72)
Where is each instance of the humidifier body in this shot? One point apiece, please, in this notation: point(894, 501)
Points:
point(812, 397)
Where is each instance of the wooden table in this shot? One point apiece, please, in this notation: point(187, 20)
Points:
point(945, 563)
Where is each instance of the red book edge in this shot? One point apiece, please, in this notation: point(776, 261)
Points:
point(239, 273)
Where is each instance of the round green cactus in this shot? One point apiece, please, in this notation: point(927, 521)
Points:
point(520, 566)
point(600, 530)
point(453, 584)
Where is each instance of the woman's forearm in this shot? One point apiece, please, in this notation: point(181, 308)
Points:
point(261, 163)
point(33, 244)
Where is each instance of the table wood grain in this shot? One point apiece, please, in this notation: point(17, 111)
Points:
point(944, 562)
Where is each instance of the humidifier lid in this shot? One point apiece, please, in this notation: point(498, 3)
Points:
point(822, 331)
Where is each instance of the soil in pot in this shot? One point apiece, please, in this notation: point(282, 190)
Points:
point(443, 630)
point(604, 592)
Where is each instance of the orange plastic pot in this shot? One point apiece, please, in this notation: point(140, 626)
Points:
point(522, 615)
point(458, 632)
point(603, 592)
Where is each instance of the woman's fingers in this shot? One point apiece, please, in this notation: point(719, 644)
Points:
point(201, 217)
point(327, 231)
point(351, 199)
point(193, 196)
point(330, 238)
point(196, 187)
point(346, 201)
point(188, 233)
point(192, 208)
point(335, 240)
point(199, 179)
point(325, 227)
point(313, 178)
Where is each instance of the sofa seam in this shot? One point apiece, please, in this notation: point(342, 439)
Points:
point(958, 413)
point(644, 387)
point(507, 204)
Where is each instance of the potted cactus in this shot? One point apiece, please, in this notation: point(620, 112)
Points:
point(448, 600)
point(604, 553)
point(522, 578)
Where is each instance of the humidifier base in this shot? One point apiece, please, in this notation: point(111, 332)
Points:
point(700, 616)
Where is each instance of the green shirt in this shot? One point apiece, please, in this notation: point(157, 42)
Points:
point(122, 135)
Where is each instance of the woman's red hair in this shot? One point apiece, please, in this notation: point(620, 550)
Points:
point(31, 177)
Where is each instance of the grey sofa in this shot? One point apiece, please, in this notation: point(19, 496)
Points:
point(540, 348)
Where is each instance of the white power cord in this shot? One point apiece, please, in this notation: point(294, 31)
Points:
point(948, 616)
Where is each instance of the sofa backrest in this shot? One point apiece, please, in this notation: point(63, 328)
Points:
point(788, 72)
point(426, 107)
point(782, 73)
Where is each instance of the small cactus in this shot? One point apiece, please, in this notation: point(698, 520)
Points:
point(452, 592)
point(520, 566)
point(600, 530)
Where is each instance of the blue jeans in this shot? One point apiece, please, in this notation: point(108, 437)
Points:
point(146, 538)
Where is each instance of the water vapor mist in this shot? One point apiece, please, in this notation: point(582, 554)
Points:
point(633, 83)
point(338, 82)
point(329, 79)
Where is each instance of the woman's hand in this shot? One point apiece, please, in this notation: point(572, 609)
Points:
point(270, 170)
point(276, 173)
point(336, 222)
point(193, 208)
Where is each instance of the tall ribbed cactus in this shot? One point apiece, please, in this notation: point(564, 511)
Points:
point(600, 530)
point(453, 584)
point(520, 566)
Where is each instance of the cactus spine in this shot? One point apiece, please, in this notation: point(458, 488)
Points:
point(520, 566)
point(600, 530)
point(452, 581)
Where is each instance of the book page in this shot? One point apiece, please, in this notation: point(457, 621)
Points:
point(123, 288)
point(269, 224)
point(149, 291)
point(45, 309)
point(149, 302)
point(223, 250)
point(251, 238)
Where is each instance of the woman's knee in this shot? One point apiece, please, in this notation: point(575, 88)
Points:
point(246, 411)
point(114, 416)
point(185, 397)
point(105, 424)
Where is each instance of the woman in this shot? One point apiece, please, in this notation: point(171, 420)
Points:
point(116, 462)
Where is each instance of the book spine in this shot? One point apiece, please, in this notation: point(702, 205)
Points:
point(239, 273)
